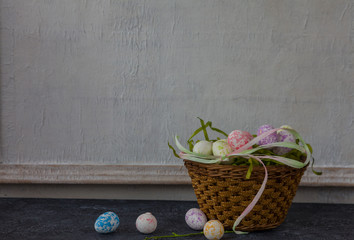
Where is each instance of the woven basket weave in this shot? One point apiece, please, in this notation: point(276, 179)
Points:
point(223, 192)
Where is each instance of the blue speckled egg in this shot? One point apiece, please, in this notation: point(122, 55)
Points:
point(272, 138)
point(107, 222)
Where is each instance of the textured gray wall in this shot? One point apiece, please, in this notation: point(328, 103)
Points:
point(111, 81)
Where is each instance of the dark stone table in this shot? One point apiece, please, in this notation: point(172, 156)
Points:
point(74, 219)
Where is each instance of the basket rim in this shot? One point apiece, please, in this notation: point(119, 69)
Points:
point(239, 172)
point(233, 167)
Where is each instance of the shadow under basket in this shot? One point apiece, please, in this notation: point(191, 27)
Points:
point(223, 193)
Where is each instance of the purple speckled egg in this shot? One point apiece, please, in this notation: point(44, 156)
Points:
point(284, 136)
point(195, 218)
point(272, 138)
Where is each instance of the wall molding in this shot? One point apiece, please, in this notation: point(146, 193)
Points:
point(140, 174)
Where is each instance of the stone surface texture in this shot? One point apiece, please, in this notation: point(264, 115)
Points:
point(73, 219)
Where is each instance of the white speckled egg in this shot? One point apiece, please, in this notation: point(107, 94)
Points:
point(195, 218)
point(107, 222)
point(203, 147)
point(146, 223)
point(221, 147)
point(238, 139)
point(213, 230)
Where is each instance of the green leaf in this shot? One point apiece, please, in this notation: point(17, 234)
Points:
point(239, 161)
point(269, 161)
point(250, 169)
point(174, 235)
point(313, 170)
point(195, 133)
point(309, 146)
point(216, 129)
point(174, 151)
point(191, 145)
point(277, 144)
point(264, 152)
point(204, 129)
point(200, 160)
point(287, 161)
point(307, 150)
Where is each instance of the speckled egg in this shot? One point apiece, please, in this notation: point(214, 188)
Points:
point(107, 222)
point(221, 148)
point(146, 223)
point(203, 147)
point(284, 126)
point(213, 230)
point(272, 138)
point(195, 218)
point(238, 139)
point(284, 136)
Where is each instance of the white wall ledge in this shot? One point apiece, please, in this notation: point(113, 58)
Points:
point(145, 174)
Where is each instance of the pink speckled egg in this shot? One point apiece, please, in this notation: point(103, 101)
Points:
point(272, 138)
point(284, 136)
point(238, 139)
point(146, 223)
point(213, 230)
point(195, 218)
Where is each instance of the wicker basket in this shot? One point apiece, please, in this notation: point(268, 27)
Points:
point(223, 193)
